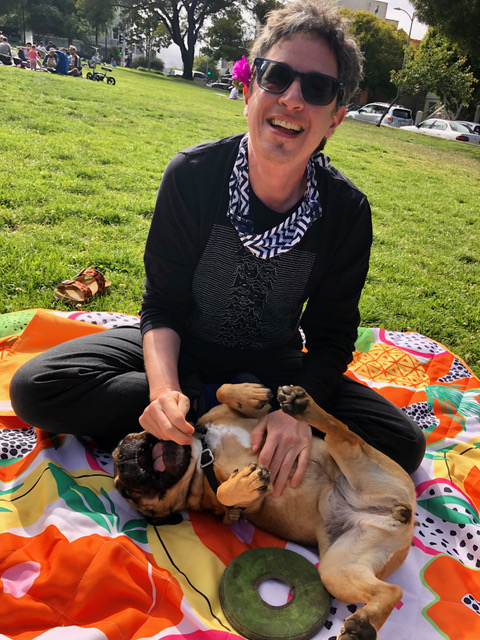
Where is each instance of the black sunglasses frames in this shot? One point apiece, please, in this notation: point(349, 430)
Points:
point(317, 88)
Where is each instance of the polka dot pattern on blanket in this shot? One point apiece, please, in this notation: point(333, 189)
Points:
point(421, 414)
point(15, 323)
point(414, 342)
point(457, 371)
point(106, 319)
point(16, 443)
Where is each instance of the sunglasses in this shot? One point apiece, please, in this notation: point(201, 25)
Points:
point(317, 88)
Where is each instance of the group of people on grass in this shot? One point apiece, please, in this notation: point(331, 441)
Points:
point(39, 57)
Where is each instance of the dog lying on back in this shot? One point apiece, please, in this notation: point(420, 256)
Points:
point(354, 502)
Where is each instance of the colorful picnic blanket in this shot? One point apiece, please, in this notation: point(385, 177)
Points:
point(77, 562)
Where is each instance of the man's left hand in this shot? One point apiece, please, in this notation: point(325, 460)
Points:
point(286, 441)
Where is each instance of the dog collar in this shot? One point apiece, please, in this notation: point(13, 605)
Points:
point(206, 462)
point(207, 458)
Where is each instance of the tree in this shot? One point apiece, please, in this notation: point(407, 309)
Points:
point(383, 49)
point(262, 7)
point(98, 14)
point(206, 65)
point(183, 21)
point(13, 17)
point(149, 35)
point(438, 68)
point(52, 17)
point(459, 21)
point(225, 38)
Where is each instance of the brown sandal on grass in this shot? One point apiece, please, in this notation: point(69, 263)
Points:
point(86, 284)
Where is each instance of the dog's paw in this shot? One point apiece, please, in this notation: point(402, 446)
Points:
point(251, 399)
point(254, 395)
point(252, 478)
point(357, 628)
point(293, 400)
point(246, 487)
point(262, 477)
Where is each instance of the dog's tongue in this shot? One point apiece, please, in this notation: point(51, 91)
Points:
point(157, 453)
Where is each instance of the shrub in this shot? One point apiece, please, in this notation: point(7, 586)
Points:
point(156, 64)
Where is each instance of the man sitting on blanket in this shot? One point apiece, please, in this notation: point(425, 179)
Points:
point(245, 232)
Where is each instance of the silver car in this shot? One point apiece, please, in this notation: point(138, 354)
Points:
point(395, 115)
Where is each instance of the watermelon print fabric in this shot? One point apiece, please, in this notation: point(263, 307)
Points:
point(77, 562)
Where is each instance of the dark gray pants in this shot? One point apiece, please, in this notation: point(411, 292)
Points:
point(96, 385)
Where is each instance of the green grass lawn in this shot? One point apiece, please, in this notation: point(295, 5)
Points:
point(81, 162)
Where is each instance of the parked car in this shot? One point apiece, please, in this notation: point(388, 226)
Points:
point(447, 129)
point(198, 76)
point(224, 86)
point(395, 115)
point(473, 126)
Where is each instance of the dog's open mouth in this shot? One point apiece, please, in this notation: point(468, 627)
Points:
point(138, 466)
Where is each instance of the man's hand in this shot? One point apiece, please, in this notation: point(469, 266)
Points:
point(287, 440)
point(164, 417)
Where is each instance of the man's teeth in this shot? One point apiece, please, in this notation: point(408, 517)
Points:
point(285, 125)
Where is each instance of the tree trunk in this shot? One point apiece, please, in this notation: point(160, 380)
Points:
point(187, 58)
point(397, 97)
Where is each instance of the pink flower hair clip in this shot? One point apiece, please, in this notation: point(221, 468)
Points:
point(241, 72)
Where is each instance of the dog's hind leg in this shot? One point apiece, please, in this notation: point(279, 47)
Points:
point(371, 473)
point(250, 399)
point(380, 498)
point(349, 572)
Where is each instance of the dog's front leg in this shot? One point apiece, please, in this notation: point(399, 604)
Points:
point(246, 488)
point(250, 399)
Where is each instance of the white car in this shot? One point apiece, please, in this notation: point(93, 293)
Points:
point(473, 126)
point(396, 115)
point(447, 129)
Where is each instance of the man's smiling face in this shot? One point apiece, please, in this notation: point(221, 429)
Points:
point(283, 127)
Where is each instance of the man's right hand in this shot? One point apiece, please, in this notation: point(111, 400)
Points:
point(164, 417)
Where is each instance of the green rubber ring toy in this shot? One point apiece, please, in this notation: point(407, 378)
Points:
point(300, 618)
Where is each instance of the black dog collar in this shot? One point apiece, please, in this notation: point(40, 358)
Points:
point(206, 462)
point(207, 458)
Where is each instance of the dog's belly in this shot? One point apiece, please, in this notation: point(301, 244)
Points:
point(298, 514)
point(294, 516)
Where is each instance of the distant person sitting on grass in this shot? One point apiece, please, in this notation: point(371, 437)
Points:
point(22, 53)
point(62, 62)
point(75, 64)
point(50, 61)
point(6, 57)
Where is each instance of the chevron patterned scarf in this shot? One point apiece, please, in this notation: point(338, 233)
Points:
point(289, 232)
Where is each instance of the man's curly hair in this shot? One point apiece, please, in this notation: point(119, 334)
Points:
point(318, 18)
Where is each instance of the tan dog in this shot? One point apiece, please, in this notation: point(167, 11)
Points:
point(354, 502)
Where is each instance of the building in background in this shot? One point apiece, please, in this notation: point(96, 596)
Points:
point(377, 7)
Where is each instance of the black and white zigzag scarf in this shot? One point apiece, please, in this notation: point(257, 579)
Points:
point(285, 235)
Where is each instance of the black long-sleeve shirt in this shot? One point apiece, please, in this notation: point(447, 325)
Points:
point(202, 282)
